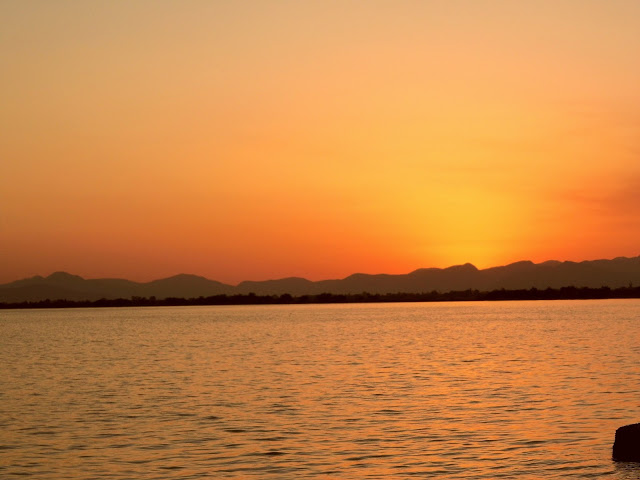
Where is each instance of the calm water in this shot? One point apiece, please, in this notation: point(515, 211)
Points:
point(459, 390)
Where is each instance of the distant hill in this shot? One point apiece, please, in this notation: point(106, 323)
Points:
point(618, 272)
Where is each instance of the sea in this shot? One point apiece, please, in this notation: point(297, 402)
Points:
point(469, 390)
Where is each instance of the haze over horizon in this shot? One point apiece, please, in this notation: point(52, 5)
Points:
point(256, 140)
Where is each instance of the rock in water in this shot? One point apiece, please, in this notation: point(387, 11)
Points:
point(626, 447)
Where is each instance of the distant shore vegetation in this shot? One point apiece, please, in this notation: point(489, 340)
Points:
point(470, 295)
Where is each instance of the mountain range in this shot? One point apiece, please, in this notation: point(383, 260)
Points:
point(618, 272)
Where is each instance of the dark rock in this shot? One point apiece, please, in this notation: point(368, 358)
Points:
point(626, 447)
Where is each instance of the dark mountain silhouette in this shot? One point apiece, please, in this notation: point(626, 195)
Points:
point(183, 286)
point(619, 272)
point(67, 286)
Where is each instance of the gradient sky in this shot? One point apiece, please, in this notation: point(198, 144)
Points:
point(264, 139)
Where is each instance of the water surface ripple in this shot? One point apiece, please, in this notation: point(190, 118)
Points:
point(454, 390)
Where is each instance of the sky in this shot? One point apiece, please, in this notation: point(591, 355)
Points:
point(250, 140)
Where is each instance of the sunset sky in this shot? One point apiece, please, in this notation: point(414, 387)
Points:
point(248, 140)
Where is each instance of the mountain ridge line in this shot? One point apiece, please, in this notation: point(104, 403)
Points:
point(617, 272)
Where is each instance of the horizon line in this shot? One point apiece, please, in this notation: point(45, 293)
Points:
point(321, 280)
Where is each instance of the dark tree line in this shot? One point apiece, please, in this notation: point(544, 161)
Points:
point(564, 293)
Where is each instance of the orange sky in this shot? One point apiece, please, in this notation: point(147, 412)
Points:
point(252, 140)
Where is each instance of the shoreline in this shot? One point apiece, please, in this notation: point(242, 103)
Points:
point(470, 295)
